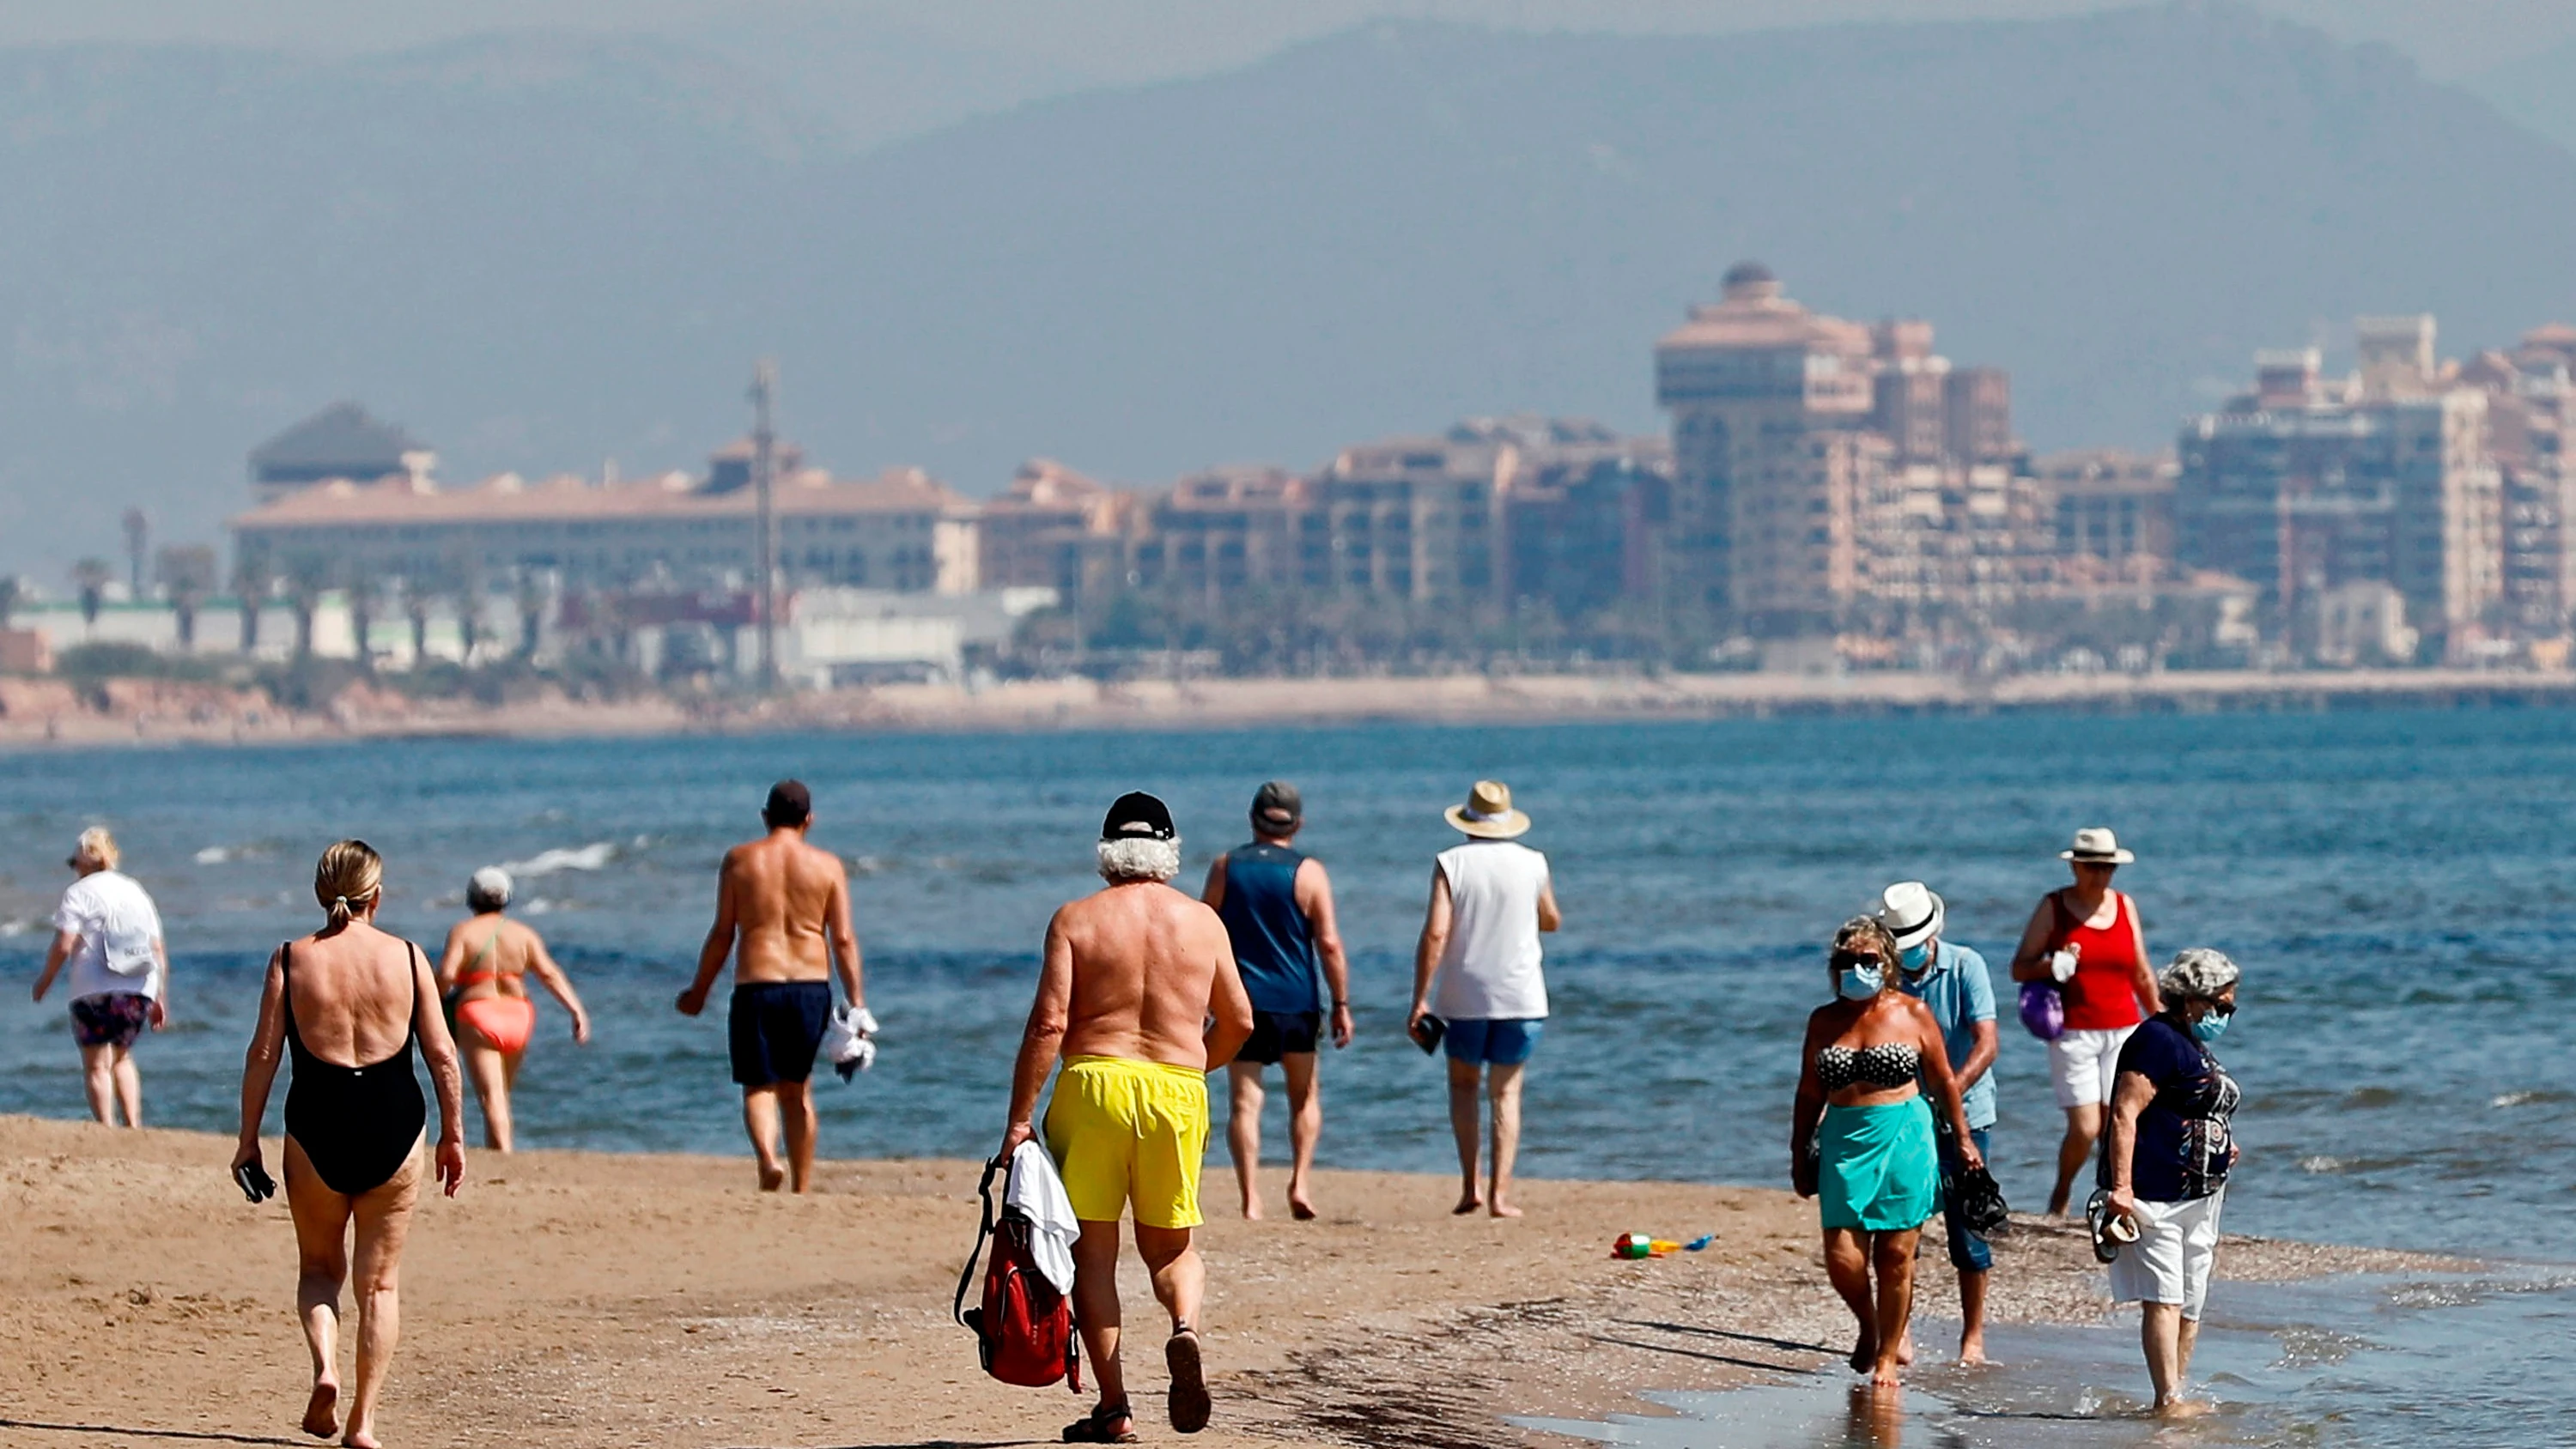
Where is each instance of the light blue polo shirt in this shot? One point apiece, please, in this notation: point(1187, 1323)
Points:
point(1961, 993)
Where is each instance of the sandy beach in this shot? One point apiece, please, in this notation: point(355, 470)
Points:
point(593, 1299)
point(38, 712)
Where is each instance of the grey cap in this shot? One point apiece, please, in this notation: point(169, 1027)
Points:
point(1277, 805)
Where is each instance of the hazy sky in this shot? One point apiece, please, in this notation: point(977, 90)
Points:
point(1135, 39)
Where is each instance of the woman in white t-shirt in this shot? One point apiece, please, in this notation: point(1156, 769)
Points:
point(108, 932)
point(1490, 900)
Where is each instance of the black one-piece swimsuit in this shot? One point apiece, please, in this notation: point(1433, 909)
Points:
point(356, 1125)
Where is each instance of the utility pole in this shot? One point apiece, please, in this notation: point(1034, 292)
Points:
point(764, 383)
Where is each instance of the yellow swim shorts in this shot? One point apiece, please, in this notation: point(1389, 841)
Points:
point(1123, 1129)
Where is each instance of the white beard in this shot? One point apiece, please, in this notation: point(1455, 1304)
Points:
point(1139, 858)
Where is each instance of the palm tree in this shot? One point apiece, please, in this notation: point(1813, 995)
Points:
point(308, 576)
point(253, 579)
point(420, 593)
point(186, 574)
point(465, 585)
point(91, 577)
point(365, 591)
point(10, 592)
point(531, 594)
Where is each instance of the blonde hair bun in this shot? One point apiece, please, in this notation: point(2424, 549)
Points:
point(348, 876)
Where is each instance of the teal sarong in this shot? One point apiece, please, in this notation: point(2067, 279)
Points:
point(1877, 1168)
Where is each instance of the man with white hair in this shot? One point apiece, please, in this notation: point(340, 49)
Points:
point(109, 933)
point(1953, 982)
point(1139, 997)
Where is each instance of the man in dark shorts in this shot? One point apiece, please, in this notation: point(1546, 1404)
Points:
point(1277, 905)
point(783, 914)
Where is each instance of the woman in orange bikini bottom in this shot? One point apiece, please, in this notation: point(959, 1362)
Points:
point(491, 952)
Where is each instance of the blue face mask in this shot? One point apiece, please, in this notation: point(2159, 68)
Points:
point(1859, 983)
point(1916, 958)
point(2211, 1027)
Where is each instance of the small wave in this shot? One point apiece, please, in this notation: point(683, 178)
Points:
point(866, 864)
point(594, 856)
point(12, 928)
point(2322, 1164)
point(2522, 1099)
point(537, 907)
point(213, 855)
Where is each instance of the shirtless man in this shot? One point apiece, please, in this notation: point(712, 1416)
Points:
point(1140, 998)
point(783, 914)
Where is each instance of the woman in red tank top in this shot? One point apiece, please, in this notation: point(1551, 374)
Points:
point(2086, 939)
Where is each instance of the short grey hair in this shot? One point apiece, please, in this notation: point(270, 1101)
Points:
point(2198, 974)
point(488, 890)
point(1139, 857)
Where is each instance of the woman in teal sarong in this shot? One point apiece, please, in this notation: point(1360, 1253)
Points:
point(1862, 1138)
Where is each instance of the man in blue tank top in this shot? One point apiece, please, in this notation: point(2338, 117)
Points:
point(1277, 906)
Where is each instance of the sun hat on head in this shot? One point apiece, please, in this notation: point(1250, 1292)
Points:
point(2198, 974)
point(1488, 813)
point(1911, 913)
point(2096, 845)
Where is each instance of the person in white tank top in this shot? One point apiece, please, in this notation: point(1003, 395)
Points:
point(1477, 980)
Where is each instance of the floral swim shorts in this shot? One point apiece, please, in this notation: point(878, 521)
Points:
point(114, 1019)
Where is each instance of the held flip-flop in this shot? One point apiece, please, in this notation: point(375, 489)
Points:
point(2110, 1234)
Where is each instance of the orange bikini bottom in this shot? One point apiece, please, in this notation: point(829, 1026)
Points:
point(504, 1021)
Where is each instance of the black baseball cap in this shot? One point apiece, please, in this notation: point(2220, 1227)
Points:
point(789, 804)
point(1137, 816)
point(1277, 805)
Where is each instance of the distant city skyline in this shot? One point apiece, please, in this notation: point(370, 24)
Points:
point(1116, 41)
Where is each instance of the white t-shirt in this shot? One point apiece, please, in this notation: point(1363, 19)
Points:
point(117, 926)
point(1490, 968)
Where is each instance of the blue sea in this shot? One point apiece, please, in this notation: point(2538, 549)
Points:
point(2400, 887)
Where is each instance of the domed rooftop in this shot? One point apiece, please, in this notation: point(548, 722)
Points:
point(1744, 273)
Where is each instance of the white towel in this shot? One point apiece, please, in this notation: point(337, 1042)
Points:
point(849, 1040)
point(1035, 1190)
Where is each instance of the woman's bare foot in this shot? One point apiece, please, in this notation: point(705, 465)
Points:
point(1864, 1351)
point(1468, 1203)
point(772, 1178)
point(1252, 1210)
point(1299, 1208)
point(1503, 1209)
point(1889, 1374)
point(1972, 1350)
point(1905, 1351)
point(322, 1411)
point(358, 1438)
point(2183, 1408)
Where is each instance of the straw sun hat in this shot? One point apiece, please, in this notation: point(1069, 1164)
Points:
point(1488, 813)
point(2096, 845)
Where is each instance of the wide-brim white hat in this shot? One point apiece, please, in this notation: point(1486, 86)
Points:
point(1911, 912)
point(1488, 813)
point(2096, 845)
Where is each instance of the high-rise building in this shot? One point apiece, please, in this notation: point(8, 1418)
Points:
point(2113, 511)
point(2306, 484)
point(1819, 463)
point(2531, 404)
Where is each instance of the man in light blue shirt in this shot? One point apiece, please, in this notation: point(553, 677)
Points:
point(1952, 981)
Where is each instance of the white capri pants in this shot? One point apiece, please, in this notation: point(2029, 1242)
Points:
point(2082, 1064)
point(2169, 1263)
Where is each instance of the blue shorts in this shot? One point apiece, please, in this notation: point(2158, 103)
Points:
point(1492, 1041)
point(775, 1029)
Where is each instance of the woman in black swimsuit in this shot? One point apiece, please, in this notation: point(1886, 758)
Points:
point(347, 1003)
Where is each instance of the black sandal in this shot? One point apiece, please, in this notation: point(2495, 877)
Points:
point(1100, 1426)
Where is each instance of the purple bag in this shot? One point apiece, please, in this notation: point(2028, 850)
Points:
point(2043, 1009)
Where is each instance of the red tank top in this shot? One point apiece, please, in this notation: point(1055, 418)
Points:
point(2103, 993)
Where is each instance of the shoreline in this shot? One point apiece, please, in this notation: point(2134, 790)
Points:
point(614, 1299)
point(171, 714)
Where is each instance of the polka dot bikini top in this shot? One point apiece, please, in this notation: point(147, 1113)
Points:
point(1890, 1064)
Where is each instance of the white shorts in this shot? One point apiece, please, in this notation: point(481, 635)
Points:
point(2170, 1262)
point(2081, 1065)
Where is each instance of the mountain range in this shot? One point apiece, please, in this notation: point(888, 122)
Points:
point(541, 251)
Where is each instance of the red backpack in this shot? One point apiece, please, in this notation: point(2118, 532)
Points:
point(1024, 1331)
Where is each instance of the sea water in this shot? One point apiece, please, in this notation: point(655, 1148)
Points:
point(2400, 887)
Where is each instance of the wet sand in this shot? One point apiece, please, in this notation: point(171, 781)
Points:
point(597, 1299)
